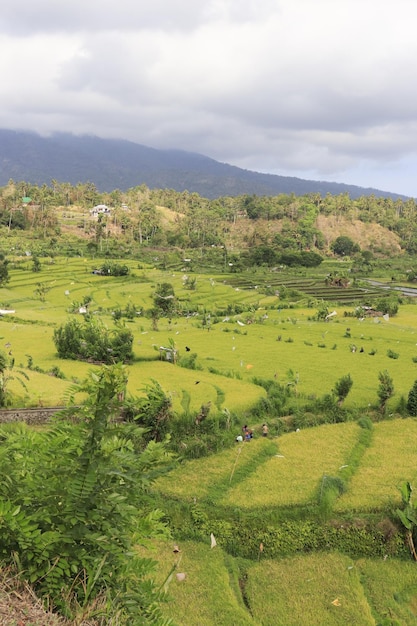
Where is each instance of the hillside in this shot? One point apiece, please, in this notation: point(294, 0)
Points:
point(367, 235)
point(118, 164)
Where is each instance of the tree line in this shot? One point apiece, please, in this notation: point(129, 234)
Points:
point(197, 222)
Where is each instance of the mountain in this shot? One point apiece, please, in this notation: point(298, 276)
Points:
point(119, 164)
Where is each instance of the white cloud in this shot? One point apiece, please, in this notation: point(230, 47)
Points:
point(322, 87)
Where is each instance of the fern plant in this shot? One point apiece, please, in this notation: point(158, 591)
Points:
point(72, 505)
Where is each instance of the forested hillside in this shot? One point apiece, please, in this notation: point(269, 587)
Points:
point(248, 229)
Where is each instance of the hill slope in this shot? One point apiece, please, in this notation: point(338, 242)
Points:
point(118, 164)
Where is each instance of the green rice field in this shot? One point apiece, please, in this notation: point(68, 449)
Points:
point(262, 341)
point(204, 586)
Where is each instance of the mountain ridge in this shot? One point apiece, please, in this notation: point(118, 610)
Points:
point(122, 164)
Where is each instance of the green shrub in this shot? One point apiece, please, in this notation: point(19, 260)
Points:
point(412, 400)
point(189, 361)
point(356, 539)
point(72, 507)
point(90, 340)
point(366, 422)
point(331, 487)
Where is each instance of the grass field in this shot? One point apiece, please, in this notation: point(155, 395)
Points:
point(197, 478)
point(293, 476)
point(316, 589)
point(263, 341)
point(288, 470)
point(388, 462)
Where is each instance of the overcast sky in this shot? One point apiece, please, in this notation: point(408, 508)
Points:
point(320, 89)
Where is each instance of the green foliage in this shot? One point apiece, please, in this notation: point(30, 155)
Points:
point(113, 269)
point(294, 536)
point(387, 306)
point(385, 388)
point(4, 270)
point(331, 487)
point(303, 259)
point(185, 401)
point(391, 354)
point(72, 507)
point(7, 374)
point(344, 246)
point(36, 264)
point(41, 291)
point(277, 400)
point(220, 397)
point(342, 387)
point(190, 282)
point(90, 340)
point(153, 411)
point(322, 312)
point(189, 361)
point(408, 515)
point(365, 422)
point(164, 299)
point(412, 400)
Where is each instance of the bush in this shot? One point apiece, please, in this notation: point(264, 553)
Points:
point(297, 536)
point(366, 423)
point(331, 487)
point(72, 508)
point(113, 269)
point(412, 400)
point(189, 361)
point(90, 340)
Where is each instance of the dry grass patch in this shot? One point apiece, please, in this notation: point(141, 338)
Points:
point(19, 605)
point(293, 475)
point(365, 234)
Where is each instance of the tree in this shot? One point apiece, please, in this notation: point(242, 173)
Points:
point(73, 507)
point(412, 400)
point(164, 299)
point(153, 411)
point(91, 340)
point(342, 388)
point(387, 305)
point(344, 246)
point(263, 255)
point(323, 312)
point(36, 265)
point(385, 389)
point(4, 271)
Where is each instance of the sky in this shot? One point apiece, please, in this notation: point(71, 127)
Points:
point(318, 89)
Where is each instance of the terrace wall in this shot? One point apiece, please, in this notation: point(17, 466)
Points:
point(39, 415)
